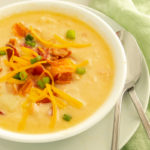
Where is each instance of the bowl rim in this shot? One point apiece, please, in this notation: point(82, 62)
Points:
point(90, 121)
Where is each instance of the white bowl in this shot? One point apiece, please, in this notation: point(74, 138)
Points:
point(108, 34)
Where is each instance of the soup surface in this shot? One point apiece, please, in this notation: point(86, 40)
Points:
point(55, 71)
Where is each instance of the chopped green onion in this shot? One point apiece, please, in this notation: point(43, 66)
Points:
point(30, 43)
point(2, 53)
point(46, 80)
point(71, 34)
point(29, 40)
point(41, 84)
point(67, 117)
point(80, 70)
point(16, 76)
point(36, 59)
point(29, 37)
point(23, 75)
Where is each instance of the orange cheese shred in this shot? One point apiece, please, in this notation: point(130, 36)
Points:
point(54, 105)
point(64, 44)
point(70, 44)
point(70, 100)
point(11, 74)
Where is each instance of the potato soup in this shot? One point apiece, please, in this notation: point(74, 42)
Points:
point(55, 72)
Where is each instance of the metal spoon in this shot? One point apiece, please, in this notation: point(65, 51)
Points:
point(134, 60)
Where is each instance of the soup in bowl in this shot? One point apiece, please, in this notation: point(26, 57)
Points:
point(62, 69)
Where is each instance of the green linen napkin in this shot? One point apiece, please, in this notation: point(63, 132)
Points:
point(134, 16)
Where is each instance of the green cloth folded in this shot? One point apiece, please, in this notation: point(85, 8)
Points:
point(134, 16)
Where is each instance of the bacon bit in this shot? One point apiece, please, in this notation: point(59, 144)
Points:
point(16, 53)
point(60, 52)
point(45, 53)
point(12, 42)
point(9, 54)
point(38, 70)
point(20, 30)
point(40, 51)
point(44, 101)
point(63, 78)
point(1, 113)
point(1, 69)
point(10, 51)
point(61, 66)
point(25, 88)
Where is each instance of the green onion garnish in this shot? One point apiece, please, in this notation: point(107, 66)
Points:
point(41, 83)
point(71, 34)
point(67, 117)
point(46, 80)
point(29, 37)
point(29, 40)
point(36, 59)
point(80, 70)
point(2, 53)
point(30, 43)
point(16, 76)
point(23, 75)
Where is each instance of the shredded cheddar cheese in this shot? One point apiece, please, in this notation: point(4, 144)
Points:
point(11, 74)
point(70, 44)
point(34, 70)
point(46, 71)
point(82, 64)
point(63, 42)
point(5, 48)
point(54, 105)
point(20, 60)
point(15, 81)
point(41, 49)
point(28, 51)
point(72, 101)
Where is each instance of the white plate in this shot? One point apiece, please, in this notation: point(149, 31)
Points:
point(98, 137)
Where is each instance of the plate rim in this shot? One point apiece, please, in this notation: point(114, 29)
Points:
point(144, 62)
point(146, 69)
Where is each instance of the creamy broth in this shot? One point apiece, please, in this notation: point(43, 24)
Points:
point(92, 88)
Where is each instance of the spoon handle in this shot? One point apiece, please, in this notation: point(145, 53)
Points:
point(140, 111)
point(116, 124)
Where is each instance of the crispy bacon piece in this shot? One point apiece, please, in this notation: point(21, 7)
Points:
point(1, 69)
point(10, 51)
point(60, 52)
point(12, 42)
point(45, 53)
point(63, 78)
point(20, 30)
point(1, 113)
point(44, 101)
point(38, 70)
point(25, 88)
point(62, 70)
point(54, 53)
point(61, 66)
